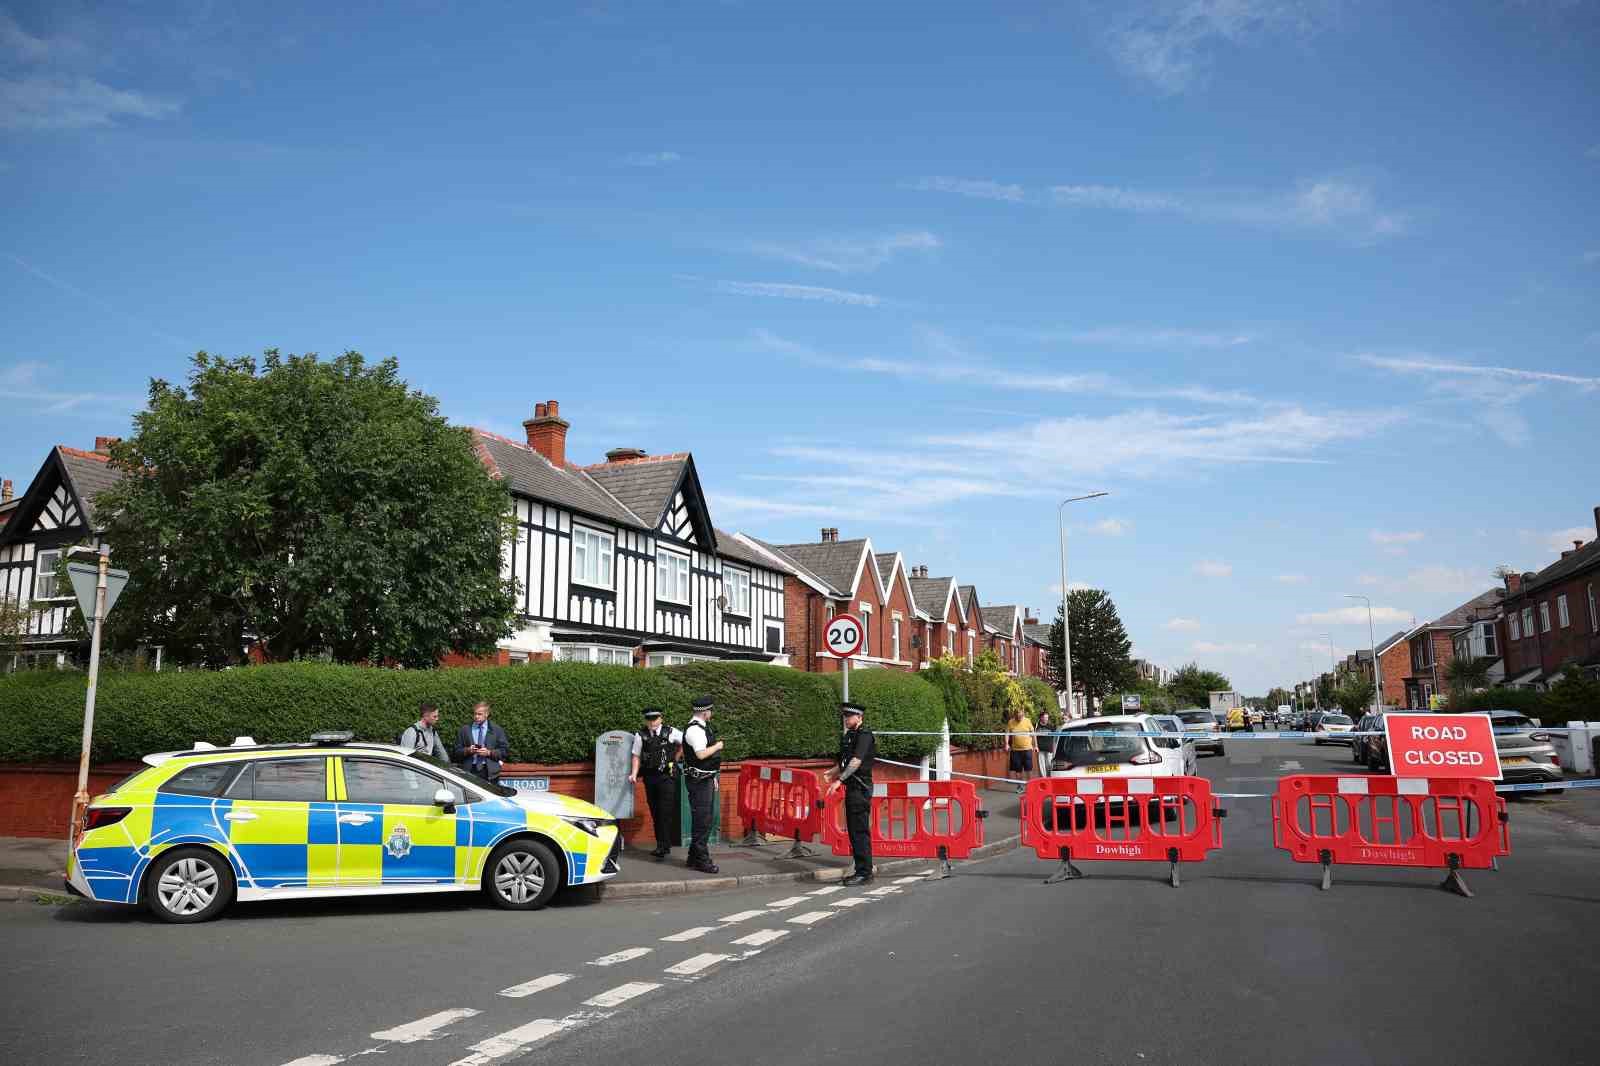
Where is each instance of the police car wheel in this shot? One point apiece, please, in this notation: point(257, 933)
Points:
point(522, 875)
point(188, 885)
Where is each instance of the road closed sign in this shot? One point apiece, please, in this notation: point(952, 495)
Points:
point(1441, 745)
point(844, 636)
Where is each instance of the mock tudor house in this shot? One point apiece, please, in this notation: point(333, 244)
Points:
point(829, 577)
point(619, 562)
point(36, 528)
point(1552, 617)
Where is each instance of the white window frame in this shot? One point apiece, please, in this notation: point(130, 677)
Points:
point(1515, 627)
point(1527, 622)
point(673, 658)
point(1544, 616)
point(894, 637)
point(972, 637)
point(593, 576)
point(740, 582)
point(866, 629)
point(1490, 648)
point(43, 573)
point(594, 653)
point(1594, 616)
point(676, 568)
point(1561, 611)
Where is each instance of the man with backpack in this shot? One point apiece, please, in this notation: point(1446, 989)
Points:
point(422, 736)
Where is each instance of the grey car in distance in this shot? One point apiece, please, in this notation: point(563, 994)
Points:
point(1200, 720)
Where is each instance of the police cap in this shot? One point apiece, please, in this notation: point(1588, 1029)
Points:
point(847, 709)
point(652, 712)
point(702, 703)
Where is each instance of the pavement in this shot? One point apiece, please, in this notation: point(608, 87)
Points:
point(1248, 962)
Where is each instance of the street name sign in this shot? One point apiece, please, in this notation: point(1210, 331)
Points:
point(1442, 745)
point(844, 636)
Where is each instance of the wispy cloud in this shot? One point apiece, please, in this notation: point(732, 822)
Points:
point(1339, 205)
point(94, 301)
point(813, 293)
point(1172, 44)
point(29, 383)
point(1181, 624)
point(46, 102)
point(1213, 568)
point(1369, 579)
point(1208, 647)
point(978, 189)
point(1491, 393)
point(1562, 539)
point(1112, 527)
point(1354, 616)
point(1422, 364)
point(651, 159)
point(1146, 337)
point(1380, 537)
point(1291, 579)
point(849, 255)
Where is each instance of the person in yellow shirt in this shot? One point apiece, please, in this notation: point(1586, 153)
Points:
point(1019, 740)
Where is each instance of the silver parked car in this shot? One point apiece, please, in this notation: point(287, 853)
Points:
point(1526, 755)
point(1200, 720)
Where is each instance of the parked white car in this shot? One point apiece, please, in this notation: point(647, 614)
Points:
point(1080, 752)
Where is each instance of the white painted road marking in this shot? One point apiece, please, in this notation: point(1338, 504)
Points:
point(689, 967)
point(812, 917)
point(742, 916)
point(621, 994)
point(830, 890)
point(691, 934)
point(850, 901)
point(886, 890)
point(760, 937)
point(423, 1028)
point(626, 955)
point(316, 1060)
point(514, 1040)
point(908, 880)
point(538, 984)
point(790, 902)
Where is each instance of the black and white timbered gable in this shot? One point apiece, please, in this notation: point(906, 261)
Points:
point(619, 562)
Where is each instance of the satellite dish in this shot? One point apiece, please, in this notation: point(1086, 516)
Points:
point(722, 602)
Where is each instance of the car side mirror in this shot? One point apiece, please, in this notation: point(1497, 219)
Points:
point(446, 799)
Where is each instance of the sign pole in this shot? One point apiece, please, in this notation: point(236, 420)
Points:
point(845, 666)
point(80, 799)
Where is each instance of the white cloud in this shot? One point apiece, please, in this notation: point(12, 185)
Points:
point(1206, 647)
point(814, 293)
point(1380, 537)
point(1436, 581)
point(651, 159)
point(50, 102)
point(1369, 579)
point(1112, 527)
point(1291, 579)
point(1428, 365)
point(28, 382)
point(1148, 337)
point(849, 255)
point(1561, 540)
point(977, 189)
point(1213, 568)
point(1339, 205)
point(1181, 623)
point(1172, 43)
point(1351, 616)
point(1113, 198)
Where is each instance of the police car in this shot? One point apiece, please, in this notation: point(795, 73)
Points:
point(198, 829)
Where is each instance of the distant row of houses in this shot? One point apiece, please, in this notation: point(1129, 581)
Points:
point(1525, 632)
point(617, 561)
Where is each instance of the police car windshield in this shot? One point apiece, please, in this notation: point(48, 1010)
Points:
point(461, 771)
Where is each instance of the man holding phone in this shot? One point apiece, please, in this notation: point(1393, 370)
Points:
point(482, 746)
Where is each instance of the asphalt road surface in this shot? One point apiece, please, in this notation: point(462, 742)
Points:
point(1247, 962)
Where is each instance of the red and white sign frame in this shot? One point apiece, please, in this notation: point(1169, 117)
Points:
point(1442, 745)
point(837, 626)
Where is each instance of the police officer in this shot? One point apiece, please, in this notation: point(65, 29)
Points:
point(655, 761)
point(857, 749)
point(702, 761)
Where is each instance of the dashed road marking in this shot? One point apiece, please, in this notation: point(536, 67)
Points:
point(691, 934)
point(514, 1040)
point(830, 890)
point(621, 994)
point(812, 917)
point(886, 890)
point(760, 937)
point(850, 901)
point(316, 1060)
point(779, 904)
point(742, 916)
point(626, 955)
point(690, 967)
point(423, 1028)
point(538, 984)
point(913, 879)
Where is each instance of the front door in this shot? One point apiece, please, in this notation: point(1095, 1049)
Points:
point(280, 823)
point(390, 830)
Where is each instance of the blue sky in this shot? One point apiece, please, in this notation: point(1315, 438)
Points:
point(1310, 288)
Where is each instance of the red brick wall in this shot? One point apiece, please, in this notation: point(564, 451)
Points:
point(1395, 664)
point(899, 600)
point(1576, 641)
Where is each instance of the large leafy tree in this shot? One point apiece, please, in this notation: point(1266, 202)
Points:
point(1353, 696)
point(319, 507)
point(1192, 686)
point(1100, 646)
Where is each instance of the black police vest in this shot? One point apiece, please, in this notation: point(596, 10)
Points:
point(694, 763)
point(655, 751)
point(863, 742)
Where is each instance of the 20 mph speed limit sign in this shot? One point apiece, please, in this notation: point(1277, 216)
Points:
point(844, 636)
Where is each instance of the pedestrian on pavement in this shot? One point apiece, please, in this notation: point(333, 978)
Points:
point(482, 746)
point(655, 761)
point(702, 762)
point(1045, 741)
point(1019, 733)
point(423, 734)
point(858, 749)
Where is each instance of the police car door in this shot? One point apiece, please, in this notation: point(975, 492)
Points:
point(280, 823)
point(391, 833)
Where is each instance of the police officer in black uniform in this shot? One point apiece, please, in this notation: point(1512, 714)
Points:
point(857, 749)
point(702, 761)
point(655, 762)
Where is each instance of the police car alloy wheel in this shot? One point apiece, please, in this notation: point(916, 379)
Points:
point(188, 885)
point(522, 875)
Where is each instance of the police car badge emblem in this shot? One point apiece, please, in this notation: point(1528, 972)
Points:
point(399, 843)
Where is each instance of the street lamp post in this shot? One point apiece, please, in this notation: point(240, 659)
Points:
point(1066, 621)
point(1372, 649)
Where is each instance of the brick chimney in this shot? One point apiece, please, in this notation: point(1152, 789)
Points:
point(547, 432)
point(102, 445)
point(1029, 618)
point(1597, 521)
point(618, 455)
point(6, 491)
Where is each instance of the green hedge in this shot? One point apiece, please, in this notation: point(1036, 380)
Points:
point(551, 712)
point(893, 701)
point(945, 680)
point(1042, 696)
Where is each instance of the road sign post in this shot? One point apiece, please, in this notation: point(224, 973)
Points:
point(97, 588)
point(843, 637)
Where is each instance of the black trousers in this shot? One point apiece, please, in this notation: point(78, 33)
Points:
point(661, 793)
point(702, 790)
point(858, 820)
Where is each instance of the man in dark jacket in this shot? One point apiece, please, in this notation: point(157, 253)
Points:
point(482, 746)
